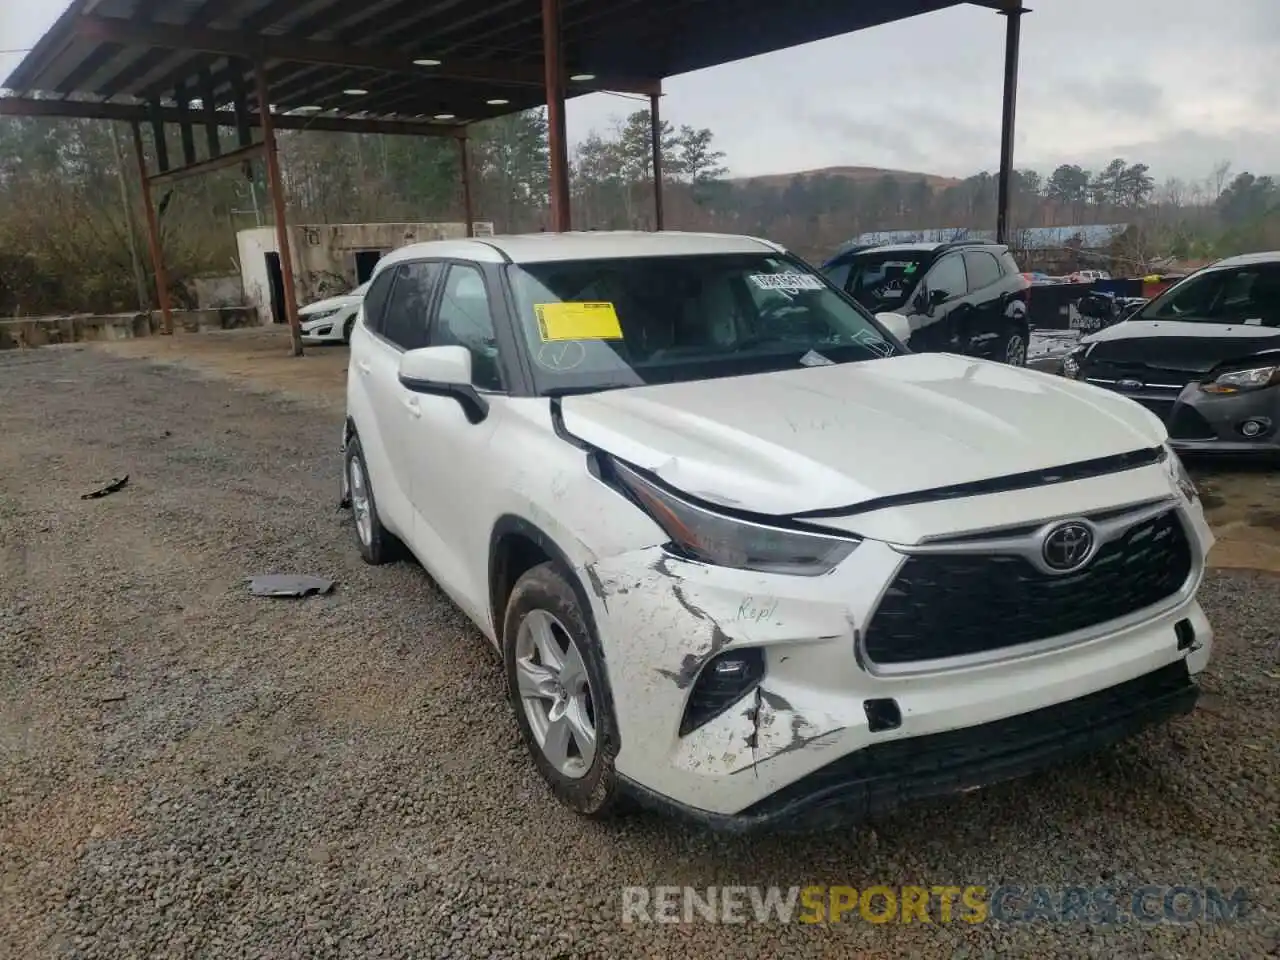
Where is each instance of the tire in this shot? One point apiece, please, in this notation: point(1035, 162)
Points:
point(1013, 347)
point(377, 544)
point(581, 775)
point(346, 330)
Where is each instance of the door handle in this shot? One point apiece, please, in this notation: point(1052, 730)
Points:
point(363, 366)
point(411, 404)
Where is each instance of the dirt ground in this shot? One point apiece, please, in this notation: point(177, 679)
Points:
point(1242, 500)
point(189, 771)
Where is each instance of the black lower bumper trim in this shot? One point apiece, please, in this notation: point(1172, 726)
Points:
point(883, 776)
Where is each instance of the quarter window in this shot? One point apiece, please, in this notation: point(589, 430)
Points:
point(982, 269)
point(375, 300)
point(405, 320)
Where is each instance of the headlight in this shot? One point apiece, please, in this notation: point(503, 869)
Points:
point(1238, 380)
point(1178, 474)
point(724, 541)
point(322, 315)
point(1071, 363)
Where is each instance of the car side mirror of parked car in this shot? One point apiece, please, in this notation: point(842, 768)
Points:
point(443, 372)
point(938, 297)
point(896, 324)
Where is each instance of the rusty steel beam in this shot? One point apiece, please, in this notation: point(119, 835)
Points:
point(464, 166)
point(276, 184)
point(655, 134)
point(207, 166)
point(557, 139)
point(153, 233)
point(264, 47)
point(129, 113)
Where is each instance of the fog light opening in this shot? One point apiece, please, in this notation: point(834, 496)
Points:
point(724, 680)
point(1254, 427)
point(882, 715)
point(1185, 633)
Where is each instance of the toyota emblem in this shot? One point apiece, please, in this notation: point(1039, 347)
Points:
point(1067, 547)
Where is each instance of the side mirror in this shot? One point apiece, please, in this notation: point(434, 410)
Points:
point(938, 297)
point(896, 324)
point(443, 372)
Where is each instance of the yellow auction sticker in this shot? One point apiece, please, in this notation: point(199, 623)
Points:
point(577, 321)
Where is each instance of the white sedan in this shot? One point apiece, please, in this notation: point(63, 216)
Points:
point(746, 558)
point(331, 320)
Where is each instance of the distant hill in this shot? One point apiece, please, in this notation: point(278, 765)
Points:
point(857, 174)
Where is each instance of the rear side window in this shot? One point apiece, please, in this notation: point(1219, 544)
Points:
point(948, 276)
point(375, 300)
point(405, 320)
point(983, 269)
point(1009, 264)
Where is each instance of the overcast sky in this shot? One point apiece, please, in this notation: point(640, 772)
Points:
point(1177, 84)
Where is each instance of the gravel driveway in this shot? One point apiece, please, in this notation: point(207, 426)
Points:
point(186, 770)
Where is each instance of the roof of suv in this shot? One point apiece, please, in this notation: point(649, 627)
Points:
point(582, 245)
point(922, 247)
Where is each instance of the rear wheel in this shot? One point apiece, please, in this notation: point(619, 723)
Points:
point(557, 688)
point(377, 545)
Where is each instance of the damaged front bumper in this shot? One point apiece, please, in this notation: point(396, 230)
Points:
point(804, 748)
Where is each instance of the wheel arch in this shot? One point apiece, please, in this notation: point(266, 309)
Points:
point(517, 545)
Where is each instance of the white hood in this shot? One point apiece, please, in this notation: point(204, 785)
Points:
point(827, 437)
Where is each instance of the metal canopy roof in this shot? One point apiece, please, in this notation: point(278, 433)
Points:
point(355, 58)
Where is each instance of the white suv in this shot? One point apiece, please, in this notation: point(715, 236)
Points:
point(743, 555)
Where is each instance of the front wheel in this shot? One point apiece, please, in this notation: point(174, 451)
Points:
point(1015, 348)
point(557, 688)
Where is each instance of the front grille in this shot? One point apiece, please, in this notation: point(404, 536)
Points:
point(953, 605)
point(1188, 424)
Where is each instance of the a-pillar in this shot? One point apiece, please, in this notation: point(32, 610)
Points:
point(557, 139)
point(274, 183)
point(1012, 43)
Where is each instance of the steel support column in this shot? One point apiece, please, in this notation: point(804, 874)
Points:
point(464, 165)
point(274, 182)
point(1012, 43)
point(655, 137)
point(153, 235)
point(557, 138)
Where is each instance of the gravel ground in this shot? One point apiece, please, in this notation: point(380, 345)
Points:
point(186, 770)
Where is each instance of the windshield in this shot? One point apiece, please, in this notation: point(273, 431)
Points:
point(595, 324)
point(1248, 295)
point(881, 282)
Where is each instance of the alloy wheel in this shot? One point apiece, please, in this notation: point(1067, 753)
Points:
point(556, 693)
point(1015, 351)
point(360, 505)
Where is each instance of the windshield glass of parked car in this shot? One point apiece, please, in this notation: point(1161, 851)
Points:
point(594, 324)
point(881, 282)
point(1247, 295)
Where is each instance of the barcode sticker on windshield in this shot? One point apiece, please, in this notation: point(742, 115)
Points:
point(787, 281)
point(577, 321)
